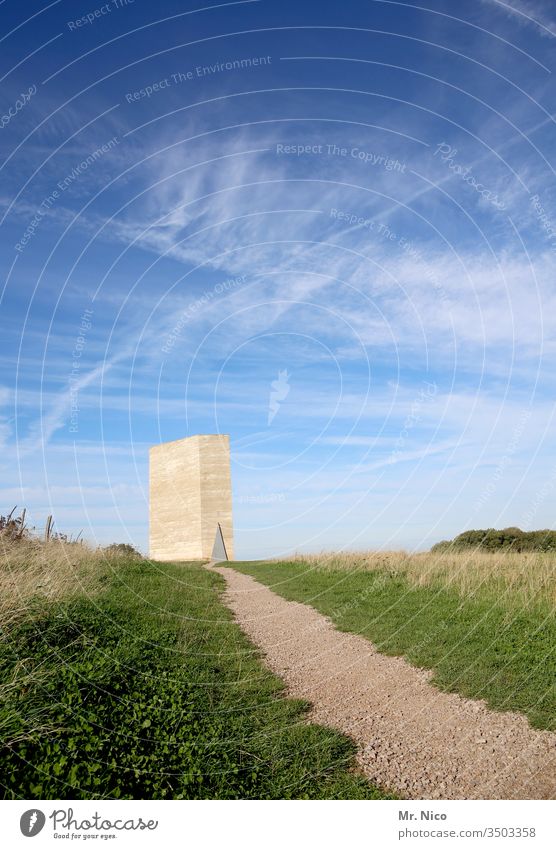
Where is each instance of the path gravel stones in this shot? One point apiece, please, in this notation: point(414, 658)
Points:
point(412, 738)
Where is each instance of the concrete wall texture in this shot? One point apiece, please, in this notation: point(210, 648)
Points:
point(190, 493)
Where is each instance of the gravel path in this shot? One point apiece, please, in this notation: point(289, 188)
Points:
point(412, 738)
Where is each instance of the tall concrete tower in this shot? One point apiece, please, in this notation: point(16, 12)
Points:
point(190, 505)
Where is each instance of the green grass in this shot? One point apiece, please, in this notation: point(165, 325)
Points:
point(477, 646)
point(148, 689)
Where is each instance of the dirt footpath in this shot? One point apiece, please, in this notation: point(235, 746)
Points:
point(412, 738)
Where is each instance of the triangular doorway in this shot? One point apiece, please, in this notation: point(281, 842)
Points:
point(219, 548)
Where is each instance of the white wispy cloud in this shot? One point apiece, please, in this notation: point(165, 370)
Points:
point(527, 13)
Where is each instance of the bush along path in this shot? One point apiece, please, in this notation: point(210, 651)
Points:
point(423, 743)
point(148, 689)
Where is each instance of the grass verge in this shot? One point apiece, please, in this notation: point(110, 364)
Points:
point(483, 644)
point(146, 688)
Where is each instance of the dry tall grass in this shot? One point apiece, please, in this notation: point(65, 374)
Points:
point(31, 569)
point(518, 578)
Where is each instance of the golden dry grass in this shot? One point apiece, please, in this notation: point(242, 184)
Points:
point(31, 569)
point(520, 578)
point(34, 573)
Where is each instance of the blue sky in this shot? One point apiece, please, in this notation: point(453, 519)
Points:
point(328, 230)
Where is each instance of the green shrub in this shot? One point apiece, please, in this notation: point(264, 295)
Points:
point(122, 548)
point(508, 538)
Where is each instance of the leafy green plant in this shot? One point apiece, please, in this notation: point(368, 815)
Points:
point(150, 690)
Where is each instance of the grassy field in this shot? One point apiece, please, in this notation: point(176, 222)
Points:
point(124, 679)
point(34, 573)
point(485, 623)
